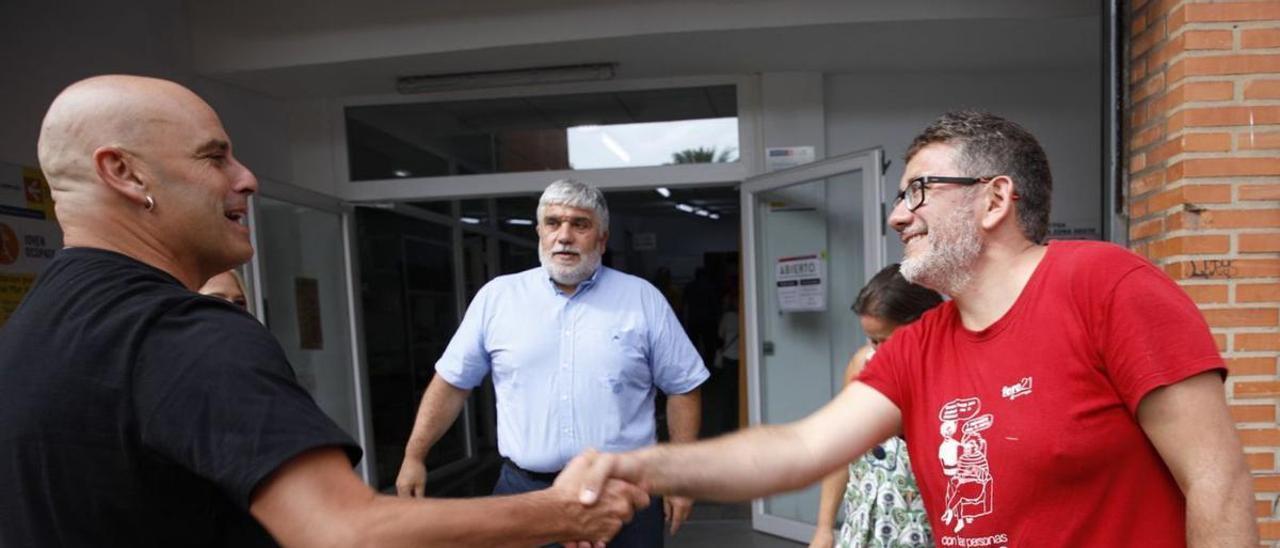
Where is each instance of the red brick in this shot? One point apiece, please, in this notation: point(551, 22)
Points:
point(1220, 341)
point(1260, 192)
point(1253, 140)
point(1223, 269)
point(1230, 167)
point(1260, 38)
point(1191, 245)
point(1176, 72)
point(1208, 39)
point(1206, 142)
point(1258, 342)
point(1208, 294)
point(1146, 137)
point(1241, 218)
point(1258, 243)
point(1253, 413)
point(1256, 389)
point(1166, 150)
point(1153, 85)
point(1269, 530)
point(1137, 162)
point(1242, 317)
point(1261, 461)
point(1262, 89)
point(1266, 483)
point(1262, 509)
point(1251, 366)
point(1234, 11)
point(1141, 43)
point(1229, 116)
point(1138, 24)
point(1223, 64)
point(1258, 293)
point(1162, 53)
point(1138, 71)
point(1146, 183)
point(1146, 229)
point(1260, 438)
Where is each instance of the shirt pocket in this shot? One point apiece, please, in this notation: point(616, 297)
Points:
point(621, 358)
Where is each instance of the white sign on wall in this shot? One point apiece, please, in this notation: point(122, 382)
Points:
point(776, 158)
point(802, 283)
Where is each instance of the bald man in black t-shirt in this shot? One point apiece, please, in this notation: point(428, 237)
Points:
point(138, 413)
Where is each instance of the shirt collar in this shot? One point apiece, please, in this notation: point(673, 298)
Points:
point(582, 286)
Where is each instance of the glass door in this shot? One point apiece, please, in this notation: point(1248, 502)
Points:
point(813, 236)
point(301, 285)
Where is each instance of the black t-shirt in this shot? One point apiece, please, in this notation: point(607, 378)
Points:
point(134, 412)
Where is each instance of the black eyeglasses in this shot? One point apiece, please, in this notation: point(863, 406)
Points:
point(914, 193)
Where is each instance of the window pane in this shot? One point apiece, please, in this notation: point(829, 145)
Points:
point(580, 131)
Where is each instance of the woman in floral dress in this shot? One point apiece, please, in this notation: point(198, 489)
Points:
point(882, 505)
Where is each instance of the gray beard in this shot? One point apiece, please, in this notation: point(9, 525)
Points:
point(947, 265)
point(571, 275)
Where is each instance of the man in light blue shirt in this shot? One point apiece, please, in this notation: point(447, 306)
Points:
point(577, 352)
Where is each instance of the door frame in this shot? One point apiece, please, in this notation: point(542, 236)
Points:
point(871, 162)
point(295, 195)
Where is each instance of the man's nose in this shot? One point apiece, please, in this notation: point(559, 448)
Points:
point(900, 217)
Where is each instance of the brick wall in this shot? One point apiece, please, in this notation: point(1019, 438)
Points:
point(1203, 131)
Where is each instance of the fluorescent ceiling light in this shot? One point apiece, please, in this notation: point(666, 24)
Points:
point(521, 222)
point(401, 173)
point(685, 208)
point(428, 83)
point(714, 215)
point(469, 220)
point(663, 191)
point(615, 148)
point(701, 212)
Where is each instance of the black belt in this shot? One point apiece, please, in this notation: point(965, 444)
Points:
point(544, 477)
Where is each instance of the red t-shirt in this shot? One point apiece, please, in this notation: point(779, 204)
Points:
point(1025, 433)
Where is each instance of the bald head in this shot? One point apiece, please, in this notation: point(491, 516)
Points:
point(143, 166)
point(107, 111)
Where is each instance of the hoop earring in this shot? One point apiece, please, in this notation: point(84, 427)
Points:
point(151, 203)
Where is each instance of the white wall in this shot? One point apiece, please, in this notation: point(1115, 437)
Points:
point(44, 46)
point(1062, 109)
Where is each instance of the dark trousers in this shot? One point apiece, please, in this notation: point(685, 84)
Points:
point(644, 530)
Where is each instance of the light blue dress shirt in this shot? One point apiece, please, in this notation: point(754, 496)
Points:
point(571, 372)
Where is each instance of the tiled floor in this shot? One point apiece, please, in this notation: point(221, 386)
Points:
point(723, 526)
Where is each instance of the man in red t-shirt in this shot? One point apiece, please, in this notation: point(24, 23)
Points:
point(1068, 395)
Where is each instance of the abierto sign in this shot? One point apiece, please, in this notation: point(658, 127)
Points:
point(801, 283)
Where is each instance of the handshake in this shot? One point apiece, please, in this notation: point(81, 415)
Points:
point(588, 503)
point(600, 492)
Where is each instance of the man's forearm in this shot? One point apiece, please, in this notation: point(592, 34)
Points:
point(767, 459)
point(684, 415)
point(529, 519)
point(1220, 513)
point(439, 408)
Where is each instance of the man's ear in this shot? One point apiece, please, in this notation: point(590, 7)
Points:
point(116, 169)
point(1000, 201)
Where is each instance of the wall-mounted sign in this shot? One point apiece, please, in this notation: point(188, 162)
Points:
point(29, 235)
point(776, 158)
point(801, 283)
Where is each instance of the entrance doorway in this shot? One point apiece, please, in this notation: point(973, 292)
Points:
point(422, 262)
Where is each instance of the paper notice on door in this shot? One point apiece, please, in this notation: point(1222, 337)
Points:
point(801, 282)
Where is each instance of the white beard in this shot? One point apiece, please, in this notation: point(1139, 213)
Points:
point(570, 275)
point(946, 266)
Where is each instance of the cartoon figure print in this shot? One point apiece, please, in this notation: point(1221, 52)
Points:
point(964, 461)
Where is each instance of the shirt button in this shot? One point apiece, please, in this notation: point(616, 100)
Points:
point(564, 398)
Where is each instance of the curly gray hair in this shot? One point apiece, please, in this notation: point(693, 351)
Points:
point(572, 193)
